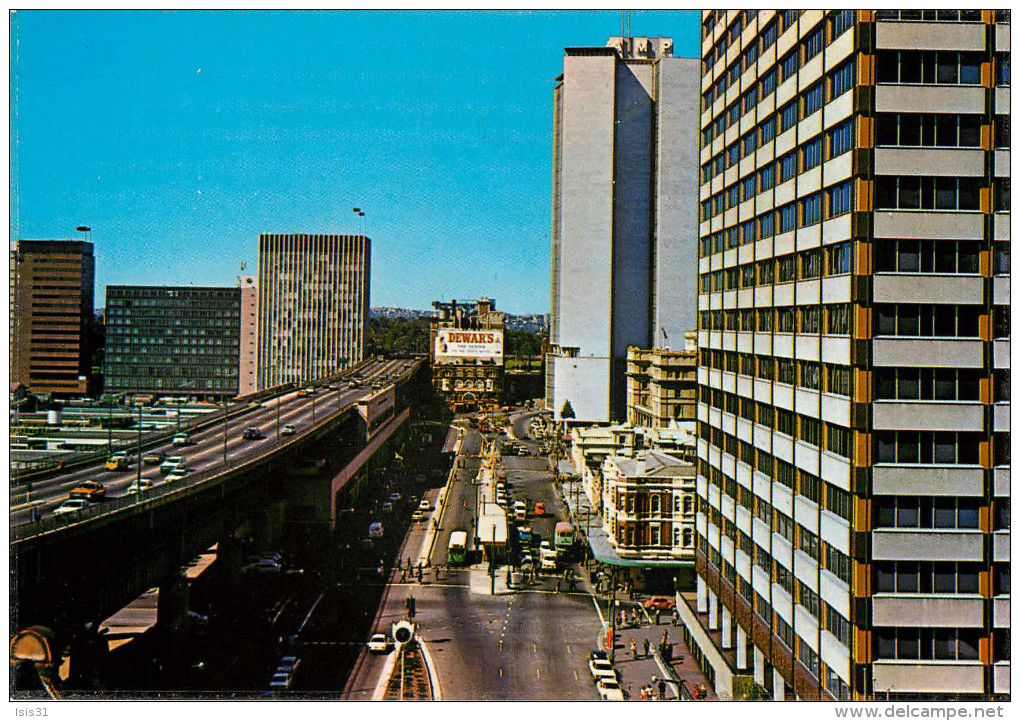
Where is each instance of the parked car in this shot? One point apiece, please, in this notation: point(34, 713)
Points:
point(89, 490)
point(659, 603)
point(261, 566)
point(601, 668)
point(252, 434)
point(379, 643)
point(153, 458)
point(288, 430)
point(71, 505)
point(182, 439)
point(609, 689)
point(598, 655)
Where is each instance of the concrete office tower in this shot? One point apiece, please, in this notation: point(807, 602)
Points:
point(624, 217)
point(853, 477)
point(172, 340)
point(247, 382)
point(313, 306)
point(52, 283)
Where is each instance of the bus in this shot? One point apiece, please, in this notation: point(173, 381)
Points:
point(456, 552)
point(564, 539)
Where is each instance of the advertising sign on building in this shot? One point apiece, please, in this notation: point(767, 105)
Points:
point(455, 344)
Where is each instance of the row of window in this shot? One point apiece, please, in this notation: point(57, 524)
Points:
point(829, 377)
point(930, 447)
point(926, 644)
point(913, 192)
point(935, 256)
point(833, 319)
point(929, 67)
point(929, 384)
point(934, 321)
point(926, 512)
point(936, 577)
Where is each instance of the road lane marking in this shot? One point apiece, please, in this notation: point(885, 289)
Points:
point(501, 672)
point(538, 673)
point(575, 674)
point(534, 648)
point(568, 649)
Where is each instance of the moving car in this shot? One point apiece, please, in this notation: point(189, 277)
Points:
point(375, 529)
point(171, 464)
point(89, 490)
point(288, 430)
point(539, 509)
point(394, 497)
point(659, 603)
point(417, 516)
point(71, 505)
point(178, 474)
point(386, 507)
point(118, 462)
point(379, 643)
point(139, 485)
point(182, 439)
point(424, 505)
point(153, 458)
point(252, 434)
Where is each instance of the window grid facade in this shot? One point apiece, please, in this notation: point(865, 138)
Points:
point(313, 306)
point(851, 228)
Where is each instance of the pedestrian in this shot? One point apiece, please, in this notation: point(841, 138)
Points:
point(657, 614)
point(648, 648)
point(662, 690)
point(644, 693)
point(633, 649)
point(702, 692)
point(557, 585)
point(676, 618)
point(665, 637)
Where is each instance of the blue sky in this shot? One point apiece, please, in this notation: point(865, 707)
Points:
point(180, 136)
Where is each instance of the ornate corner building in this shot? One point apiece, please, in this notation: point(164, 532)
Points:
point(466, 354)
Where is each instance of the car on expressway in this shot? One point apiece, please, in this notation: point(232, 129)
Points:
point(379, 643)
point(252, 434)
point(288, 430)
point(138, 485)
point(424, 505)
point(659, 603)
point(89, 490)
point(178, 474)
point(153, 458)
point(118, 462)
point(170, 464)
point(182, 439)
point(609, 689)
point(72, 505)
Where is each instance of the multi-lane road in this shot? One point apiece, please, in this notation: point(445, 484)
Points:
point(207, 449)
point(524, 643)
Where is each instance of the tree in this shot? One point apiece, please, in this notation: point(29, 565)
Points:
point(567, 411)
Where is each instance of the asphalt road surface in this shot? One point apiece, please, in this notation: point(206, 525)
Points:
point(512, 645)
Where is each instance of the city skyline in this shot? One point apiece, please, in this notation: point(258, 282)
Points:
point(180, 137)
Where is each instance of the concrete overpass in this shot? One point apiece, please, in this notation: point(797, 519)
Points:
point(68, 575)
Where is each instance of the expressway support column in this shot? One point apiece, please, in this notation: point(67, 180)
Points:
point(87, 652)
point(172, 618)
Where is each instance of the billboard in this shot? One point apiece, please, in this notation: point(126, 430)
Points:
point(457, 344)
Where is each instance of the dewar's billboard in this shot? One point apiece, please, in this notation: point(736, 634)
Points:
point(453, 343)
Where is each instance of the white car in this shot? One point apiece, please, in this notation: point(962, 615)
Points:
point(424, 505)
point(288, 430)
point(178, 474)
point(545, 548)
point(600, 669)
point(609, 689)
point(137, 486)
point(379, 643)
point(71, 505)
point(394, 497)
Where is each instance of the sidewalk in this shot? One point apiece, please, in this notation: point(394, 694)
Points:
point(637, 672)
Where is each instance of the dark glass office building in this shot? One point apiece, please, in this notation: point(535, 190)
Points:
point(172, 340)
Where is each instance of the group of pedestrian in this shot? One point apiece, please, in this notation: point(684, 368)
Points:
point(647, 647)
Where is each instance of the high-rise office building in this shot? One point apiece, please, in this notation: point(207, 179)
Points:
point(52, 283)
point(247, 381)
point(624, 217)
point(853, 477)
point(312, 306)
point(164, 340)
